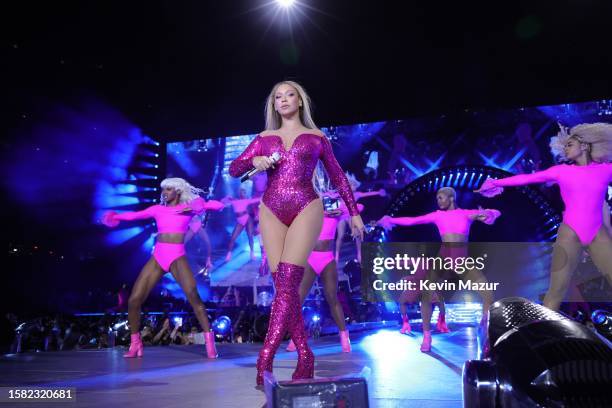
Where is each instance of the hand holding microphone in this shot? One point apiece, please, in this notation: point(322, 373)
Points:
point(261, 163)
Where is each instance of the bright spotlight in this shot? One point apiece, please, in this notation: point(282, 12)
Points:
point(285, 3)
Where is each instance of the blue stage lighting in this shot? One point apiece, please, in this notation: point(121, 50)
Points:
point(222, 325)
point(600, 317)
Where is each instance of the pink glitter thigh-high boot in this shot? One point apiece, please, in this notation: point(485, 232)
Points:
point(277, 327)
point(305, 365)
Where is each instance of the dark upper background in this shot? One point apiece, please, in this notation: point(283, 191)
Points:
point(185, 70)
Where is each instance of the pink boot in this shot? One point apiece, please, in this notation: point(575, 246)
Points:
point(345, 341)
point(405, 327)
point(211, 351)
point(441, 325)
point(286, 315)
point(136, 346)
point(291, 346)
point(426, 345)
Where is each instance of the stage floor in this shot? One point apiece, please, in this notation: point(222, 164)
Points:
point(180, 376)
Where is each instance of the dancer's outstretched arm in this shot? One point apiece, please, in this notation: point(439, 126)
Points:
point(492, 187)
point(389, 222)
point(199, 205)
point(486, 215)
point(111, 218)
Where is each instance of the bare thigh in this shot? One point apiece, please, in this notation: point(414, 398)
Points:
point(601, 250)
point(273, 233)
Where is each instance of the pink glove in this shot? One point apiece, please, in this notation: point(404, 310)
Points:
point(489, 189)
point(491, 216)
point(109, 220)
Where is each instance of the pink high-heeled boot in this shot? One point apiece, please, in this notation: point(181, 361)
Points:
point(441, 325)
point(136, 346)
point(211, 350)
point(426, 345)
point(286, 315)
point(345, 341)
point(405, 325)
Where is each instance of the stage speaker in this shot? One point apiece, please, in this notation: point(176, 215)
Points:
point(538, 358)
point(339, 392)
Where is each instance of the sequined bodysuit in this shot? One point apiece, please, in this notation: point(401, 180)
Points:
point(290, 187)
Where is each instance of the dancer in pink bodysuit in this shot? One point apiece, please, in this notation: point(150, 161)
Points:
point(583, 186)
point(454, 226)
point(180, 202)
point(291, 212)
point(321, 263)
point(196, 227)
point(344, 222)
point(243, 220)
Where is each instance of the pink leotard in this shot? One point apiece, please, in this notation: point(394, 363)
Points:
point(583, 190)
point(318, 260)
point(290, 188)
point(456, 221)
point(240, 208)
point(169, 220)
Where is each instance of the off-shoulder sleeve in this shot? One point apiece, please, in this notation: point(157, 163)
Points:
point(337, 176)
point(244, 162)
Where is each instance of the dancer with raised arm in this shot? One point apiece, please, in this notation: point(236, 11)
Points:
point(583, 184)
point(291, 212)
point(453, 224)
point(179, 203)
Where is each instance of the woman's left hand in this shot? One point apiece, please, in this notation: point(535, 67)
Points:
point(357, 227)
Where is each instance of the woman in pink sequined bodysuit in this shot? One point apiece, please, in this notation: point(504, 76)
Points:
point(583, 185)
point(291, 212)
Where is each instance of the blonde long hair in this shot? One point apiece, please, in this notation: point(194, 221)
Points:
point(182, 187)
point(273, 118)
point(597, 135)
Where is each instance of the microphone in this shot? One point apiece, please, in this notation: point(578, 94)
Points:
point(275, 157)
